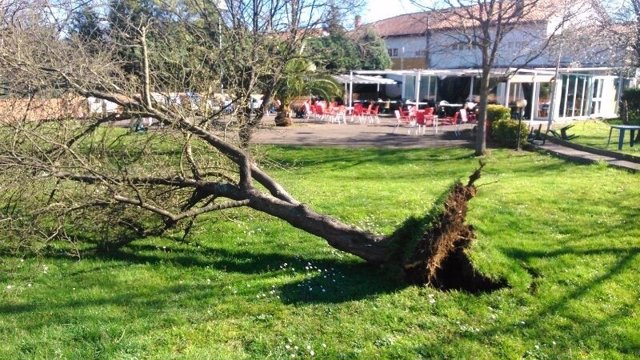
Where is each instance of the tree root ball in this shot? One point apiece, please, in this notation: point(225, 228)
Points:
point(439, 259)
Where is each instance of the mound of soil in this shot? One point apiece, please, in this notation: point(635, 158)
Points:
point(439, 259)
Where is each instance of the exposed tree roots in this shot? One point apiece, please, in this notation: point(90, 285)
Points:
point(439, 259)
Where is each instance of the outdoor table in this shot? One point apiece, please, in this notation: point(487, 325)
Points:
point(622, 128)
point(449, 109)
point(409, 102)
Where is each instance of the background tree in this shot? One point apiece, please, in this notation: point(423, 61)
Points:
point(301, 78)
point(622, 27)
point(620, 30)
point(336, 53)
point(86, 24)
point(484, 24)
point(372, 49)
point(360, 49)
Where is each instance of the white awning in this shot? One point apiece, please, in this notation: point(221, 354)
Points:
point(529, 78)
point(364, 79)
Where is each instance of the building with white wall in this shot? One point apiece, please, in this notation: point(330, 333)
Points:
point(561, 68)
point(440, 39)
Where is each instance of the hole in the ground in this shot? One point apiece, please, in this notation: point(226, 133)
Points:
point(457, 273)
point(454, 272)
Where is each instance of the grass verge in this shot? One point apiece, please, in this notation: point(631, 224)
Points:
point(595, 133)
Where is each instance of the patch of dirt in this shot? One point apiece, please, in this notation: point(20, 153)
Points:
point(439, 259)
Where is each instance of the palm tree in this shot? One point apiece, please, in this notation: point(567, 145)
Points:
point(301, 78)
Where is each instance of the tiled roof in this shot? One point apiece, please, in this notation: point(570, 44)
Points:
point(418, 23)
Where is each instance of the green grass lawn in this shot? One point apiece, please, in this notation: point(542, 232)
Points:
point(565, 237)
point(595, 133)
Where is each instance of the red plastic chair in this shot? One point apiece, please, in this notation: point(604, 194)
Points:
point(420, 123)
point(403, 120)
point(358, 112)
point(373, 114)
point(451, 120)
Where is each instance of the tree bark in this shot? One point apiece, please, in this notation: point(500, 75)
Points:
point(370, 247)
point(481, 133)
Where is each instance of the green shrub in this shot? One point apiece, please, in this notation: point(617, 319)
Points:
point(498, 112)
point(632, 99)
point(504, 132)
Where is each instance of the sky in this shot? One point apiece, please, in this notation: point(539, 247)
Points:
point(382, 9)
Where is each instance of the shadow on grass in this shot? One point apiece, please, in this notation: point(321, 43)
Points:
point(339, 159)
point(564, 304)
point(316, 280)
point(583, 327)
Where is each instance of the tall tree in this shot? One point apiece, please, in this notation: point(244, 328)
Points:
point(373, 51)
point(484, 24)
point(85, 23)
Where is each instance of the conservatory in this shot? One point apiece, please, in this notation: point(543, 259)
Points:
point(541, 94)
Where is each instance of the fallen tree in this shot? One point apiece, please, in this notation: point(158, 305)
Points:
point(56, 172)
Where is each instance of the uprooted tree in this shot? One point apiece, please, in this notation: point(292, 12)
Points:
point(76, 165)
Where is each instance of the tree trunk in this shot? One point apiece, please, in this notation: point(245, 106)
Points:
point(481, 133)
point(370, 247)
point(436, 258)
point(283, 117)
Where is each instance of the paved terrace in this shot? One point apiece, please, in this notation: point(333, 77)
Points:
point(311, 132)
point(318, 133)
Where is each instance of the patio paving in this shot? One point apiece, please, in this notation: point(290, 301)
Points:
point(317, 133)
point(587, 157)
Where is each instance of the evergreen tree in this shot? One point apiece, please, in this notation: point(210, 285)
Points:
point(86, 25)
point(373, 51)
point(125, 19)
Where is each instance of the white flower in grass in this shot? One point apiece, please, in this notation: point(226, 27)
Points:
point(9, 287)
point(312, 353)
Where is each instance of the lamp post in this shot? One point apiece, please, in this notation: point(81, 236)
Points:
point(521, 104)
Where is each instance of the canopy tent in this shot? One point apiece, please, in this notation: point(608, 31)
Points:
point(349, 80)
point(364, 79)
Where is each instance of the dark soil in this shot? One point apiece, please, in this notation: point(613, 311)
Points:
point(439, 259)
